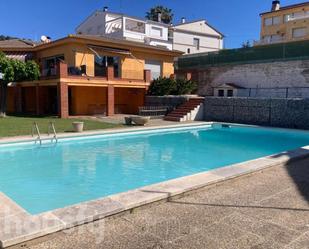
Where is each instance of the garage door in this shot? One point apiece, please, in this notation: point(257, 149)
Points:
point(155, 67)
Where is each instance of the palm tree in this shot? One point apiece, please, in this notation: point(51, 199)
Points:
point(166, 14)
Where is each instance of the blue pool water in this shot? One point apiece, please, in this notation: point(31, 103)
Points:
point(73, 171)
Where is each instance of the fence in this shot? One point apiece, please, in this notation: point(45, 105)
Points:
point(278, 92)
point(290, 113)
point(283, 51)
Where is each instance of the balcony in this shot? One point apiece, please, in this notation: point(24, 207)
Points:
point(268, 41)
point(78, 76)
point(290, 18)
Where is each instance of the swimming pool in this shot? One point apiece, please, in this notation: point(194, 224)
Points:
point(42, 178)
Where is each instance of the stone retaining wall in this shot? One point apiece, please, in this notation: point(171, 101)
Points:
point(288, 113)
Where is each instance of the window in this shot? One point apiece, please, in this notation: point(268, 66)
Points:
point(296, 15)
point(272, 21)
point(230, 93)
point(155, 31)
point(221, 93)
point(299, 32)
point(155, 68)
point(272, 38)
point(268, 21)
point(50, 65)
point(276, 20)
point(102, 62)
point(135, 26)
point(196, 43)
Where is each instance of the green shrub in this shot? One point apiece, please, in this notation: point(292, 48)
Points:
point(162, 86)
point(184, 86)
point(167, 86)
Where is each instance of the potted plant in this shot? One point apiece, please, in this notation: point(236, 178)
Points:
point(78, 126)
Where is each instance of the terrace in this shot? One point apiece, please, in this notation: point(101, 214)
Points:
point(138, 30)
point(66, 85)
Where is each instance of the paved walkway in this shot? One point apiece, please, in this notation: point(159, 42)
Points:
point(269, 209)
point(119, 119)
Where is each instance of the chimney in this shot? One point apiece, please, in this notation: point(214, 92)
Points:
point(183, 20)
point(159, 17)
point(275, 5)
point(105, 9)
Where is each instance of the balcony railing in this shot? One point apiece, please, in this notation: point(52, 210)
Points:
point(299, 17)
point(267, 41)
point(61, 70)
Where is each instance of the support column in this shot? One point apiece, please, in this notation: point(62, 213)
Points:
point(63, 100)
point(147, 76)
point(110, 73)
point(18, 97)
point(37, 100)
point(110, 101)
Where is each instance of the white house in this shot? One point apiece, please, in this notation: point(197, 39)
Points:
point(116, 25)
point(196, 37)
point(191, 37)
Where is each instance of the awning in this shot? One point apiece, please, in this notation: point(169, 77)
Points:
point(96, 49)
point(21, 56)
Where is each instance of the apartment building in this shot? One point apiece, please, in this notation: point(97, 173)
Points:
point(192, 37)
point(284, 24)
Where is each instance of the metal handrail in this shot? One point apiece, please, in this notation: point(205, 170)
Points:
point(35, 128)
point(51, 128)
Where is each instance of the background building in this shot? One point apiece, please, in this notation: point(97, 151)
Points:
point(116, 25)
point(196, 37)
point(284, 24)
point(192, 37)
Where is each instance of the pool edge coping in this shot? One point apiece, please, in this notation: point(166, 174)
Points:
point(90, 211)
point(68, 217)
point(27, 139)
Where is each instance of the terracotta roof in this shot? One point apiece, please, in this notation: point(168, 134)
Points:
point(17, 43)
point(288, 7)
point(23, 45)
point(116, 41)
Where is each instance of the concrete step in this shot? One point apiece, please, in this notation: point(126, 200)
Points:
point(183, 110)
point(176, 119)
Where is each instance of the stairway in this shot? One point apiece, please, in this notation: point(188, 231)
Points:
point(186, 112)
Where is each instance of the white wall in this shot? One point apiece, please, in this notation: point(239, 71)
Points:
point(93, 25)
point(183, 35)
point(182, 41)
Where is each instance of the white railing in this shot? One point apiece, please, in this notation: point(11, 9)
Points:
point(113, 26)
point(292, 18)
point(267, 41)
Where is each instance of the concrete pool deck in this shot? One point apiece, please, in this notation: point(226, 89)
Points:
point(17, 226)
point(268, 209)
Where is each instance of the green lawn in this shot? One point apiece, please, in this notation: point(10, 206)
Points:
point(17, 126)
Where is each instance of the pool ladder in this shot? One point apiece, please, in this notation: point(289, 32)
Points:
point(51, 130)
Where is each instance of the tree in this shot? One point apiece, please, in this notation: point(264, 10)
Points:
point(166, 14)
point(6, 37)
point(246, 44)
point(14, 71)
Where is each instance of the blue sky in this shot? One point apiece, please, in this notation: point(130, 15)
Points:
point(237, 19)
